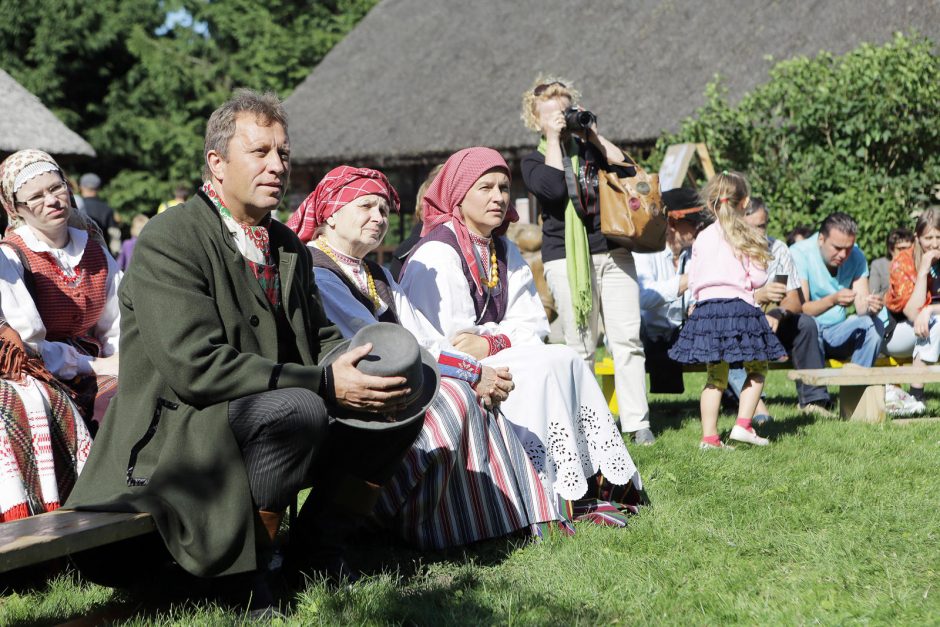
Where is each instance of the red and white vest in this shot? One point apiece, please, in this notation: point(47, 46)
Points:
point(69, 306)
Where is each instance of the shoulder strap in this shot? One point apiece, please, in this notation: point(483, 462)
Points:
point(628, 161)
point(682, 263)
point(571, 181)
point(588, 204)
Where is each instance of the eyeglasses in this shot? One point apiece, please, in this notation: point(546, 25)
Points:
point(539, 90)
point(36, 200)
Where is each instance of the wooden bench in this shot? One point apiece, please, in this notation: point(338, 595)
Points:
point(44, 537)
point(862, 390)
point(604, 370)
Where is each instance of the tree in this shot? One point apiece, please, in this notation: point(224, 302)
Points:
point(140, 89)
point(858, 133)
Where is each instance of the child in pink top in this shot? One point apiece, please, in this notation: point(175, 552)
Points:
point(718, 271)
point(729, 261)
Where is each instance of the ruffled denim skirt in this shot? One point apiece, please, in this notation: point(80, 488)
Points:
point(726, 329)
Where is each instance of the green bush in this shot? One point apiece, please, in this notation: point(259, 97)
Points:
point(858, 133)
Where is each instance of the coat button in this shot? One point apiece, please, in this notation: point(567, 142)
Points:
point(254, 321)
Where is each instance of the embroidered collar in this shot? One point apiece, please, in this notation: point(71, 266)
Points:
point(339, 255)
point(479, 240)
point(68, 256)
point(355, 270)
point(253, 242)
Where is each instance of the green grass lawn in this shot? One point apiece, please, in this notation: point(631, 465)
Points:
point(833, 523)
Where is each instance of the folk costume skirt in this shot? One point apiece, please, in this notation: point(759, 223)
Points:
point(44, 444)
point(466, 478)
point(561, 417)
point(728, 330)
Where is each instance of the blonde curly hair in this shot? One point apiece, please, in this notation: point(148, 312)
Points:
point(549, 87)
point(725, 196)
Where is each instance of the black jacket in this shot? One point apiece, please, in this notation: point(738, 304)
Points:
point(548, 186)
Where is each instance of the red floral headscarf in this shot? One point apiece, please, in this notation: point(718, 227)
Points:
point(339, 187)
point(448, 189)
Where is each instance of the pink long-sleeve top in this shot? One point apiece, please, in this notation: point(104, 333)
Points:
point(716, 272)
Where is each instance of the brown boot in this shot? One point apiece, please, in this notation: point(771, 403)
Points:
point(324, 523)
point(271, 522)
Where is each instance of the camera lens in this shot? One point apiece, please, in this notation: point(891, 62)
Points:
point(577, 120)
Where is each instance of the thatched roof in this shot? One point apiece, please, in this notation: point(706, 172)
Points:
point(417, 78)
point(33, 125)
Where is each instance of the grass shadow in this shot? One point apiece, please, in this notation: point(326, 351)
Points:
point(379, 553)
point(32, 579)
point(460, 604)
point(780, 428)
point(671, 412)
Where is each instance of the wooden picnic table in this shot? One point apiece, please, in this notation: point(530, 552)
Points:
point(862, 390)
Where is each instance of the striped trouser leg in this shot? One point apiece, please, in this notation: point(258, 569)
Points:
point(280, 433)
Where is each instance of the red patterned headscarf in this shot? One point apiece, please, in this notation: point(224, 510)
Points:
point(448, 189)
point(339, 187)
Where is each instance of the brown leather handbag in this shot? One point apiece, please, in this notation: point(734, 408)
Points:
point(632, 212)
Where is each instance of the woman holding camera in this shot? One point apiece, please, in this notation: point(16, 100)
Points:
point(592, 279)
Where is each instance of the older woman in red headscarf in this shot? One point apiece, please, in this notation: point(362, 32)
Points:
point(467, 477)
point(476, 295)
point(58, 292)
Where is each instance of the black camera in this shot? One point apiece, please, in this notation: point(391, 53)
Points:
point(578, 119)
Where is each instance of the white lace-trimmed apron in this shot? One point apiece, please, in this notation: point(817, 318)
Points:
point(561, 417)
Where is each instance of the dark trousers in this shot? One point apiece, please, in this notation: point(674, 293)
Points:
point(289, 442)
point(281, 433)
point(665, 374)
point(799, 335)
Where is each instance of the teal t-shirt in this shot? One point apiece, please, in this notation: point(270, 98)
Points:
point(811, 268)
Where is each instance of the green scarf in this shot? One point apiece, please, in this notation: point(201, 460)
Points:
point(577, 250)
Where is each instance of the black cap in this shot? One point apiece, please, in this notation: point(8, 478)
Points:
point(683, 203)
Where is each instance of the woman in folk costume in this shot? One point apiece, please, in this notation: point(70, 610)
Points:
point(58, 283)
point(58, 293)
point(43, 441)
point(476, 296)
point(467, 477)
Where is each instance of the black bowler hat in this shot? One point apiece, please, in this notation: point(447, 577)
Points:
point(395, 353)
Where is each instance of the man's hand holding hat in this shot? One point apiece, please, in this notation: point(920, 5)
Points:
point(382, 378)
point(363, 392)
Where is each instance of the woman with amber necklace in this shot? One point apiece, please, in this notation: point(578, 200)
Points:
point(476, 296)
point(467, 477)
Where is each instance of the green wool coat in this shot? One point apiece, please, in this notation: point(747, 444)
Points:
point(197, 332)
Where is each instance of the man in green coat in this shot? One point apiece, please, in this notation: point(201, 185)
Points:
point(222, 412)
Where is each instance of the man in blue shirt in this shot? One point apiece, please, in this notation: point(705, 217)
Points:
point(834, 276)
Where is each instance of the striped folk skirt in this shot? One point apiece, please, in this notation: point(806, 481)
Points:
point(466, 478)
point(43, 446)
